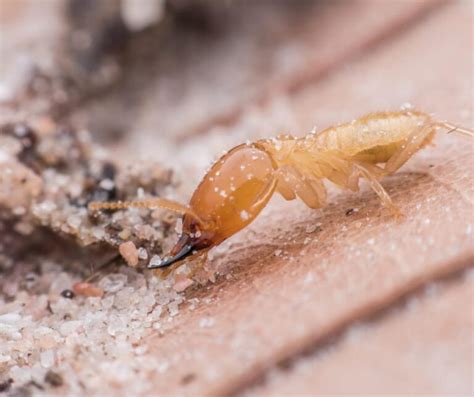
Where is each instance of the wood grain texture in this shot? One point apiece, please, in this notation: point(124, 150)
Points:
point(285, 312)
point(292, 285)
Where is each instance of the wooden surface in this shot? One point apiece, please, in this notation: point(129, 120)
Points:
point(272, 308)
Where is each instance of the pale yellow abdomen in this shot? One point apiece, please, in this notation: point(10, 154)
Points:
point(373, 138)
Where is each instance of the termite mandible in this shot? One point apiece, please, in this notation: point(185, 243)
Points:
point(240, 184)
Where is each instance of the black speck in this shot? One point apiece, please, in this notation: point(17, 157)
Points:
point(68, 294)
point(188, 378)
point(31, 278)
point(109, 171)
point(5, 386)
point(93, 190)
point(27, 137)
point(350, 211)
point(285, 365)
point(53, 378)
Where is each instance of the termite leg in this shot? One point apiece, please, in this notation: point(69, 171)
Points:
point(310, 191)
point(415, 141)
point(455, 128)
point(199, 265)
point(165, 272)
point(378, 189)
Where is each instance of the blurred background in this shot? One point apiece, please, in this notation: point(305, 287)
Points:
point(178, 70)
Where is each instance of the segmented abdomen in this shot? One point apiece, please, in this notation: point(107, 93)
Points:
point(382, 131)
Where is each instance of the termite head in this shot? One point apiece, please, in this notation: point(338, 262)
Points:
point(229, 197)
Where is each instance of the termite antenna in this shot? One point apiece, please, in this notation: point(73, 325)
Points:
point(455, 128)
point(147, 203)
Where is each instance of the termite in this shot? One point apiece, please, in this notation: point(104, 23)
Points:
point(240, 184)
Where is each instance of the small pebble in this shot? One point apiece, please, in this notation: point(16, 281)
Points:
point(107, 184)
point(155, 261)
point(181, 285)
point(10, 318)
point(87, 289)
point(142, 253)
point(69, 327)
point(47, 359)
point(130, 253)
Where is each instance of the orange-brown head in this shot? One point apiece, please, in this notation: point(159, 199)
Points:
point(229, 197)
